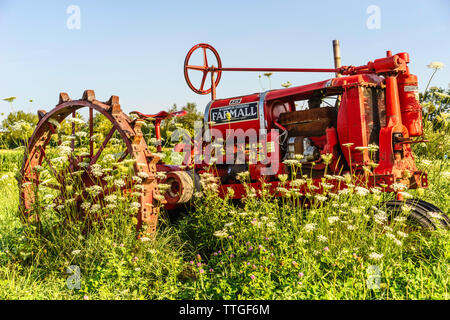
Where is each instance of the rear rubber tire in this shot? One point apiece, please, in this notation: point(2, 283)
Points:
point(421, 213)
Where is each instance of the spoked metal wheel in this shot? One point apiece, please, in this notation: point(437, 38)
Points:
point(418, 212)
point(75, 169)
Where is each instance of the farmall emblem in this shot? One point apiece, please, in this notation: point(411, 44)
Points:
point(240, 112)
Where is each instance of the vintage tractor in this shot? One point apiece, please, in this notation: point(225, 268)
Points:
point(361, 122)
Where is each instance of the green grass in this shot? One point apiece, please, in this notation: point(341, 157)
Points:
point(10, 160)
point(259, 248)
point(270, 254)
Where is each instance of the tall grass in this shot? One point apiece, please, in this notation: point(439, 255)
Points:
point(339, 247)
point(262, 248)
point(10, 160)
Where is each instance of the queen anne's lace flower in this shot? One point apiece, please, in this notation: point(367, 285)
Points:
point(96, 170)
point(85, 205)
point(309, 227)
point(221, 234)
point(119, 183)
point(375, 256)
point(436, 65)
point(333, 219)
point(360, 191)
point(143, 175)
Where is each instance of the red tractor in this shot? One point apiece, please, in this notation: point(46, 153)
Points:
point(362, 123)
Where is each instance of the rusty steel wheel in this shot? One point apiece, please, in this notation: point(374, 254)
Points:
point(64, 175)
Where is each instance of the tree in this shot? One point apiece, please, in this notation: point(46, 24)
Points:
point(435, 102)
point(187, 121)
point(17, 128)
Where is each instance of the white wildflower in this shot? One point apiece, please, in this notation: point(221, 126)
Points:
point(136, 179)
point(320, 197)
point(436, 65)
point(333, 219)
point(375, 256)
point(360, 191)
point(54, 123)
point(161, 175)
point(344, 191)
point(119, 183)
point(399, 187)
point(402, 234)
point(135, 205)
point(85, 205)
point(310, 227)
point(75, 120)
point(111, 198)
point(95, 208)
point(81, 134)
point(96, 170)
point(390, 235)
point(221, 234)
point(297, 183)
point(380, 217)
point(400, 219)
point(94, 190)
point(406, 195)
point(290, 162)
point(143, 175)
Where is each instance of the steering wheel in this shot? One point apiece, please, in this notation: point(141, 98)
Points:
point(204, 68)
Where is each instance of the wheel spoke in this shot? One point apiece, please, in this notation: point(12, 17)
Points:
point(48, 162)
point(125, 153)
point(91, 132)
point(203, 80)
point(57, 175)
point(201, 68)
point(71, 162)
point(53, 131)
point(105, 142)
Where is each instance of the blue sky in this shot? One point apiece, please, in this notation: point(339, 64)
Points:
point(136, 49)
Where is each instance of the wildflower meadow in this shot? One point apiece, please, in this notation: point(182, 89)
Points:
point(325, 245)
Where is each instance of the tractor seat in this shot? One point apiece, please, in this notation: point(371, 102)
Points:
point(162, 115)
point(310, 122)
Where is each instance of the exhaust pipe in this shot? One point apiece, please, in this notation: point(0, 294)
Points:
point(337, 56)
